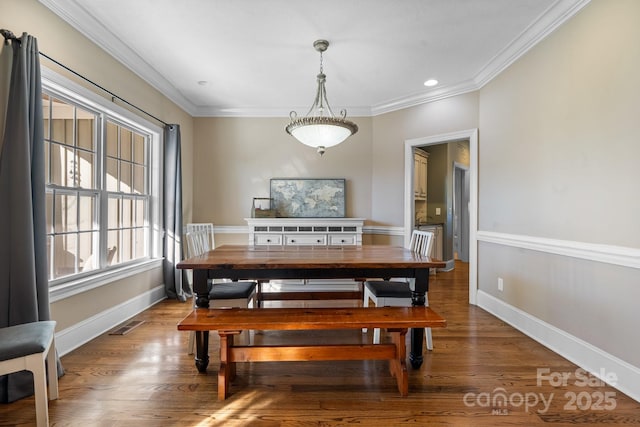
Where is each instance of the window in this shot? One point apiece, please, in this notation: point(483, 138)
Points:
point(99, 189)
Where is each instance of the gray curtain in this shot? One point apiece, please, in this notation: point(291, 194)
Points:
point(24, 288)
point(176, 285)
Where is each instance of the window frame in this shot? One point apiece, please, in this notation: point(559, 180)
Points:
point(57, 85)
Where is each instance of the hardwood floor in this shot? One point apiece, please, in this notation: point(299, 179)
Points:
point(145, 378)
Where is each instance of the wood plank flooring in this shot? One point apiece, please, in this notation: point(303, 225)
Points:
point(145, 378)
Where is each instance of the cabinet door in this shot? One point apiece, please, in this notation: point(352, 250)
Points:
point(419, 175)
point(416, 175)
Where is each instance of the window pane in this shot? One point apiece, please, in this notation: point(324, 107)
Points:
point(138, 148)
point(127, 245)
point(139, 249)
point(113, 240)
point(87, 213)
point(50, 256)
point(125, 177)
point(112, 140)
point(47, 157)
point(90, 257)
point(113, 215)
point(140, 213)
point(112, 255)
point(111, 178)
point(62, 165)
point(127, 212)
point(49, 211)
point(138, 179)
point(125, 144)
point(65, 260)
point(85, 130)
point(62, 122)
point(65, 213)
point(85, 170)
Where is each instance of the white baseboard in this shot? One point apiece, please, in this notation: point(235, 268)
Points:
point(588, 357)
point(73, 337)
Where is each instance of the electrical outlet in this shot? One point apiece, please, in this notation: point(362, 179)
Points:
point(438, 211)
point(500, 284)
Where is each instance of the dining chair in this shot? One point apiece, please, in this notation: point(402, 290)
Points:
point(26, 347)
point(397, 292)
point(222, 293)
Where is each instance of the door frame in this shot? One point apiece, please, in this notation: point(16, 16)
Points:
point(460, 206)
point(472, 136)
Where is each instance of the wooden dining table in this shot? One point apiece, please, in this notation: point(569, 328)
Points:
point(246, 262)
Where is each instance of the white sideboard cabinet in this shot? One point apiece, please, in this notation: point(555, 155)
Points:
point(307, 232)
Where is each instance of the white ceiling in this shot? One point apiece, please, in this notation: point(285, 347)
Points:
point(258, 60)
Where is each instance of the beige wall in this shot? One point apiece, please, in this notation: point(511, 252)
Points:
point(236, 157)
point(559, 159)
point(389, 133)
point(66, 45)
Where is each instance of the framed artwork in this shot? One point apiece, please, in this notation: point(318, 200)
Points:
point(308, 197)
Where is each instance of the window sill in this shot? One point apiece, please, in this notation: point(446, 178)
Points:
point(74, 287)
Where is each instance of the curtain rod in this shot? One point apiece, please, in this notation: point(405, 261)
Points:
point(8, 35)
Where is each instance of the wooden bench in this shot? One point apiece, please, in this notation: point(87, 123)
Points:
point(230, 322)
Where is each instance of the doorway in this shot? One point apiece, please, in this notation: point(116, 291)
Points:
point(460, 212)
point(470, 135)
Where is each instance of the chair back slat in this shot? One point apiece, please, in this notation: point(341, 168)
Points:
point(198, 242)
point(421, 242)
point(202, 226)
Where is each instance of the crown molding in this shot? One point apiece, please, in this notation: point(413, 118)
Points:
point(423, 98)
point(556, 15)
point(204, 111)
point(75, 15)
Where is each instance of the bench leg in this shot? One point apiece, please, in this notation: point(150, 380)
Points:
point(202, 351)
point(398, 366)
point(227, 371)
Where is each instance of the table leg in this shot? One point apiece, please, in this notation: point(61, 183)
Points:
point(201, 289)
point(418, 299)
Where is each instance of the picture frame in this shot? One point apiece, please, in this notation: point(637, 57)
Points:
point(308, 197)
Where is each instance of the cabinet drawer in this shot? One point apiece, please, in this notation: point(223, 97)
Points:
point(268, 239)
point(342, 239)
point(306, 239)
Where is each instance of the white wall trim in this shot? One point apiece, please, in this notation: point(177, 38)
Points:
point(82, 332)
point(617, 255)
point(385, 230)
point(583, 354)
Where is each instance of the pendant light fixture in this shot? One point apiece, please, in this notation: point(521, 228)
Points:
point(320, 128)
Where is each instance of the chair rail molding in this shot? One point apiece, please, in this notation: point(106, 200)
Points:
point(610, 254)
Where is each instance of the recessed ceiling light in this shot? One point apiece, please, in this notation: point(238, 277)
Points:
point(431, 82)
